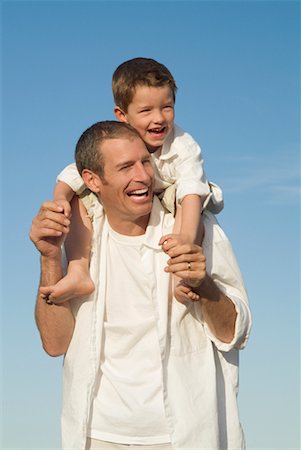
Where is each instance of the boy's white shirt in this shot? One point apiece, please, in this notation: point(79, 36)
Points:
point(199, 372)
point(179, 163)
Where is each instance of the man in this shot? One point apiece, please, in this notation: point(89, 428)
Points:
point(140, 368)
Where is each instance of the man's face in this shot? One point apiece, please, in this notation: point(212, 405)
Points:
point(151, 112)
point(126, 189)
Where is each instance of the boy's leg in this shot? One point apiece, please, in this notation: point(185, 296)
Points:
point(77, 282)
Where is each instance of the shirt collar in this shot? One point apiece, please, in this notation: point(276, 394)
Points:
point(154, 229)
point(168, 150)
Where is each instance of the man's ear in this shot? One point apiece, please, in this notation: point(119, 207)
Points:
point(120, 115)
point(92, 180)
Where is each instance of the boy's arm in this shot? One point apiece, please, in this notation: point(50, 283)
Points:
point(191, 226)
point(69, 183)
point(55, 322)
point(62, 191)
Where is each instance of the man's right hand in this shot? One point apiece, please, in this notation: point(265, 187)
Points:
point(49, 229)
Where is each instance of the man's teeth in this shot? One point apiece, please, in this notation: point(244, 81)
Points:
point(139, 192)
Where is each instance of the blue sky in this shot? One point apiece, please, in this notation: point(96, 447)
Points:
point(237, 68)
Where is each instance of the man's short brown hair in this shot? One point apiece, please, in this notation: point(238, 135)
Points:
point(88, 153)
point(139, 72)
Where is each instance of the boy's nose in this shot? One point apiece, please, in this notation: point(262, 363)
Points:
point(158, 116)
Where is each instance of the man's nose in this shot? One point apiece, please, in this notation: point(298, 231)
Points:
point(142, 173)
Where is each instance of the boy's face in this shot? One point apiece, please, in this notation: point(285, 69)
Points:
point(151, 112)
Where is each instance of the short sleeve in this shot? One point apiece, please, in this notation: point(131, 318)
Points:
point(71, 176)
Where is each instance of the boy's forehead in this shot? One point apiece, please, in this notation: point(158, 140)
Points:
point(146, 91)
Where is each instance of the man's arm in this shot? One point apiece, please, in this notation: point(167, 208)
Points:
point(217, 309)
point(188, 262)
point(55, 322)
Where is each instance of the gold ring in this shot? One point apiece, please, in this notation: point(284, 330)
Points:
point(189, 266)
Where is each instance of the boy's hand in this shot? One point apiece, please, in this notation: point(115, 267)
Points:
point(65, 205)
point(171, 240)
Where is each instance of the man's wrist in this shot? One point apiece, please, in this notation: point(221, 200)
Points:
point(207, 290)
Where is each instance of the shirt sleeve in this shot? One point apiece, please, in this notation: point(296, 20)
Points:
point(189, 168)
point(223, 268)
point(70, 176)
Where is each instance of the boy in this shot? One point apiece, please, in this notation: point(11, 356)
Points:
point(144, 93)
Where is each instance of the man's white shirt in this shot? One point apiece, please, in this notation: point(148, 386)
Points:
point(199, 372)
point(128, 405)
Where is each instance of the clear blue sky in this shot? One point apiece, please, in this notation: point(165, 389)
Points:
point(237, 68)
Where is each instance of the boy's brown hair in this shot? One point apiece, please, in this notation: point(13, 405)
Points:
point(139, 72)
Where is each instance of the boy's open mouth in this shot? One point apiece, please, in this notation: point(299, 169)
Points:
point(157, 130)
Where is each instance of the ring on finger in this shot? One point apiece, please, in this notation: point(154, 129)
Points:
point(189, 266)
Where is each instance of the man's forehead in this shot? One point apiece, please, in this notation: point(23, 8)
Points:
point(121, 148)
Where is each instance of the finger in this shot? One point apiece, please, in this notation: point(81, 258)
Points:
point(165, 238)
point(50, 219)
point(66, 207)
point(193, 296)
point(39, 227)
point(184, 268)
point(169, 244)
point(55, 216)
point(182, 249)
point(189, 261)
point(183, 288)
point(51, 206)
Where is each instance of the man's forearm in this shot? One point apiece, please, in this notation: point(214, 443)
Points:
point(217, 309)
point(55, 322)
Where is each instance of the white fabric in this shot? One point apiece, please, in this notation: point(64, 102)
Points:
point(200, 372)
point(93, 444)
point(179, 162)
point(128, 405)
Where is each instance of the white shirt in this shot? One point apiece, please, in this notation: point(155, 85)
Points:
point(128, 405)
point(200, 372)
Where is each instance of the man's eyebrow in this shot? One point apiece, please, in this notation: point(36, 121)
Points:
point(129, 162)
point(125, 163)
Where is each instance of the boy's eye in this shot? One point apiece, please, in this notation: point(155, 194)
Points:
point(145, 110)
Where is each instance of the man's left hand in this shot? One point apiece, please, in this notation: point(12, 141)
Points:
point(187, 261)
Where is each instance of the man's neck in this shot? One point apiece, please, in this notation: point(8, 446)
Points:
point(130, 228)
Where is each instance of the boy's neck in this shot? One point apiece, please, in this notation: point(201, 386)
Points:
point(153, 149)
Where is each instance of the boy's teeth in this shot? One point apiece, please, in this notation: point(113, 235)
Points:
point(157, 130)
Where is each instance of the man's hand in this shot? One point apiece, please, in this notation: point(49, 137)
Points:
point(49, 228)
point(187, 261)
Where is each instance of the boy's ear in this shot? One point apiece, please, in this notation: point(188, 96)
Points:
point(92, 180)
point(120, 114)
